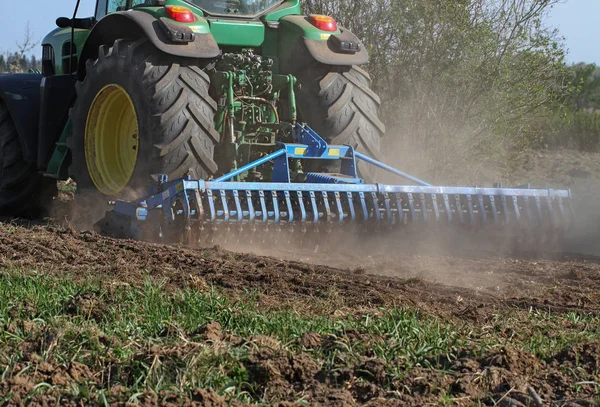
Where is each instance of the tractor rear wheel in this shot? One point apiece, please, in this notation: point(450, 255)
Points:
point(338, 103)
point(140, 113)
point(23, 190)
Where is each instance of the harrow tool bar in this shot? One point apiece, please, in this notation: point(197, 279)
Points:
point(200, 208)
point(202, 203)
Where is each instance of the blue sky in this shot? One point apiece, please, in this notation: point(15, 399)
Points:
point(41, 15)
point(577, 21)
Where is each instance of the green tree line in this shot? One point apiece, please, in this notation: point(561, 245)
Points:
point(576, 122)
point(16, 62)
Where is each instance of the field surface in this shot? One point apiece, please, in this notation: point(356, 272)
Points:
point(89, 320)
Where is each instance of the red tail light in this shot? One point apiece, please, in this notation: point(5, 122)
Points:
point(323, 23)
point(180, 14)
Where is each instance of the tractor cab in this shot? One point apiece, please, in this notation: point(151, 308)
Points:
point(62, 47)
point(245, 8)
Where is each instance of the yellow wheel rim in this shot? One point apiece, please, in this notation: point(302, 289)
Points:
point(111, 140)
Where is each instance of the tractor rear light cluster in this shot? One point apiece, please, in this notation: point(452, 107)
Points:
point(180, 14)
point(324, 23)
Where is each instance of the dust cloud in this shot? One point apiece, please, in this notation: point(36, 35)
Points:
point(447, 257)
point(580, 173)
point(457, 257)
point(83, 209)
point(585, 236)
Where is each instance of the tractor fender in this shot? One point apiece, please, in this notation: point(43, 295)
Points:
point(298, 37)
point(136, 24)
point(326, 53)
point(21, 94)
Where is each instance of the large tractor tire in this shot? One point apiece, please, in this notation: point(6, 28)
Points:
point(139, 113)
point(338, 103)
point(23, 190)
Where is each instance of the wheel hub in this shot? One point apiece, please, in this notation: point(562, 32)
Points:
point(111, 140)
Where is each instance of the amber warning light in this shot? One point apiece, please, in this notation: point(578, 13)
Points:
point(324, 23)
point(180, 14)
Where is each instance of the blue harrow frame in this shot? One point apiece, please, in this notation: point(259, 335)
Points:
point(187, 209)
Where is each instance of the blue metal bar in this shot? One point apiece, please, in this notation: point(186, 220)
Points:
point(238, 205)
point(400, 209)
point(351, 206)
point(434, 205)
point(340, 210)
point(288, 201)
point(318, 204)
point(301, 205)
point(459, 209)
point(390, 169)
point(447, 207)
point(250, 206)
point(424, 212)
point(263, 206)
point(250, 166)
point(211, 205)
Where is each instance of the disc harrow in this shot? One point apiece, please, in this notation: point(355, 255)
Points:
point(289, 209)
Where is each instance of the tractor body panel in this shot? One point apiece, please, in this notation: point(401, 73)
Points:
point(56, 51)
point(282, 32)
point(329, 52)
point(199, 26)
point(21, 94)
point(242, 33)
point(290, 7)
point(295, 26)
point(57, 97)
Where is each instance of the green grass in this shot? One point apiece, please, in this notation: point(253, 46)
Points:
point(548, 333)
point(67, 187)
point(102, 326)
point(147, 338)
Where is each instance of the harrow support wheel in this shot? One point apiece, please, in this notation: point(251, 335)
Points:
point(139, 113)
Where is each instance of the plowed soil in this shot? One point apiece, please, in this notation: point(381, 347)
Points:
point(443, 284)
point(473, 288)
point(469, 289)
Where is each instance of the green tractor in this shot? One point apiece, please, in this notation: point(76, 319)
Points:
point(196, 87)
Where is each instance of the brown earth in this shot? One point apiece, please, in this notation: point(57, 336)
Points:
point(470, 290)
point(565, 282)
point(468, 287)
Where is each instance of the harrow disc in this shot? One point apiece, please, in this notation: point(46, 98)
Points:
point(200, 213)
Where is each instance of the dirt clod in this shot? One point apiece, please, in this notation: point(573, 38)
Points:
point(210, 332)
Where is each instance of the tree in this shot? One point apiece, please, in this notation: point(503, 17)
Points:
point(17, 61)
point(586, 81)
point(458, 79)
point(34, 63)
